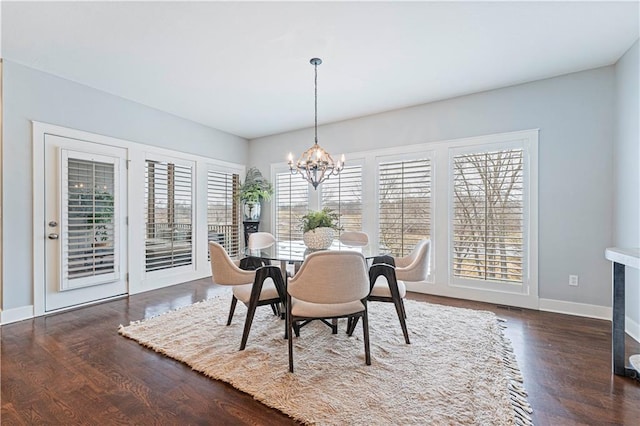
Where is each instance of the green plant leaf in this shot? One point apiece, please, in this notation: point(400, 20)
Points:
point(325, 218)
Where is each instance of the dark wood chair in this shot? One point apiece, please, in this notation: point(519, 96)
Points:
point(328, 286)
point(387, 276)
point(261, 286)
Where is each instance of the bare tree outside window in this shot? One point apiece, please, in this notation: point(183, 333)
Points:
point(404, 209)
point(488, 219)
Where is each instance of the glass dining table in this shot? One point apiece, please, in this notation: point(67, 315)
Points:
point(291, 254)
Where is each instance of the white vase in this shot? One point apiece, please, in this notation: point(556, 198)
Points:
point(251, 211)
point(319, 238)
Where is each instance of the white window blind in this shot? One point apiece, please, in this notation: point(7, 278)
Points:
point(292, 202)
point(89, 243)
point(404, 208)
point(488, 209)
point(343, 194)
point(168, 215)
point(222, 210)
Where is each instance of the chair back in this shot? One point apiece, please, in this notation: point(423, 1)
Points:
point(354, 238)
point(415, 267)
point(223, 270)
point(260, 240)
point(331, 277)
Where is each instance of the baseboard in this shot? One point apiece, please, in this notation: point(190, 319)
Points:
point(578, 309)
point(16, 314)
point(156, 283)
point(633, 329)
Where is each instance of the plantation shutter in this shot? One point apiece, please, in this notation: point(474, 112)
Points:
point(89, 243)
point(488, 209)
point(222, 210)
point(343, 195)
point(404, 208)
point(168, 215)
point(292, 202)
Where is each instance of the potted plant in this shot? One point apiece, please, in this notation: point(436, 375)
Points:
point(318, 228)
point(252, 192)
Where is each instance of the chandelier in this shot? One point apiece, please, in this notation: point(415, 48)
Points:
point(315, 164)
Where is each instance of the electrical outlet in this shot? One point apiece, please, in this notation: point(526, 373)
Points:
point(573, 280)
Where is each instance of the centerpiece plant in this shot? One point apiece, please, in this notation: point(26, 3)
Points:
point(318, 228)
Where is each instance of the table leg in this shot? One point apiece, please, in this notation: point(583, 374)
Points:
point(618, 324)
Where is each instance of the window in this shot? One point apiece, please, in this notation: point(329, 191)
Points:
point(168, 215)
point(89, 245)
point(475, 198)
point(222, 210)
point(488, 215)
point(343, 194)
point(404, 206)
point(291, 203)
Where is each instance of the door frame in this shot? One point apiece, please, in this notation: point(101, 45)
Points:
point(40, 130)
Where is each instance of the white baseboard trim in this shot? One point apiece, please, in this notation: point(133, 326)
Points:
point(16, 314)
point(632, 328)
point(166, 281)
point(578, 309)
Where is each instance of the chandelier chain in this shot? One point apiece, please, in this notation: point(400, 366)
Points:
point(315, 65)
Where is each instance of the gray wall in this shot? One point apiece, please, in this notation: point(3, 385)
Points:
point(33, 95)
point(575, 116)
point(627, 169)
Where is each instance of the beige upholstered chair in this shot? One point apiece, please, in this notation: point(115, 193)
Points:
point(329, 285)
point(354, 238)
point(260, 240)
point(263, 286)
point(388, 286)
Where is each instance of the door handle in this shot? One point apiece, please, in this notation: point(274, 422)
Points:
point(53, 236)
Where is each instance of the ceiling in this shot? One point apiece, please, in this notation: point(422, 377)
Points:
point(243, 67)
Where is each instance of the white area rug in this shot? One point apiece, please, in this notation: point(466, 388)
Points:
point(459, 368)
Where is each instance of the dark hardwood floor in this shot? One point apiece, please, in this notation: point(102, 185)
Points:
point(74, 368)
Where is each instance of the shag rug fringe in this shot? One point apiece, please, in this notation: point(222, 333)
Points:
point(459, 368)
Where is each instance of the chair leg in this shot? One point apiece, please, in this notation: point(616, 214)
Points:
point(334, 326)
point(404, 312)
point(290, 333)
point(274, 309)
point(256, 289)
point(232, 310)
point(351, 328)
point(399, 304)
point(401, 316)
point(365, 332)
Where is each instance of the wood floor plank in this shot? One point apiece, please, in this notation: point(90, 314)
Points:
point(73, 368)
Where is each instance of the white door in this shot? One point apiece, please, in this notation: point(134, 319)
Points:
point(85, 222)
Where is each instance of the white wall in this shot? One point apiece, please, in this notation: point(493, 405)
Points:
point(575, 116)
point(33, 95)
point(627, 171)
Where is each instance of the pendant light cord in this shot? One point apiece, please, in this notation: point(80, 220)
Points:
point(316, 102)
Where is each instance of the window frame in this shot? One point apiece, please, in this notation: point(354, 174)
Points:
point(209, 167)
point(413, 155)
point(313, 197)
point(492, 285)
point(191, 267)
point(352, 163)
